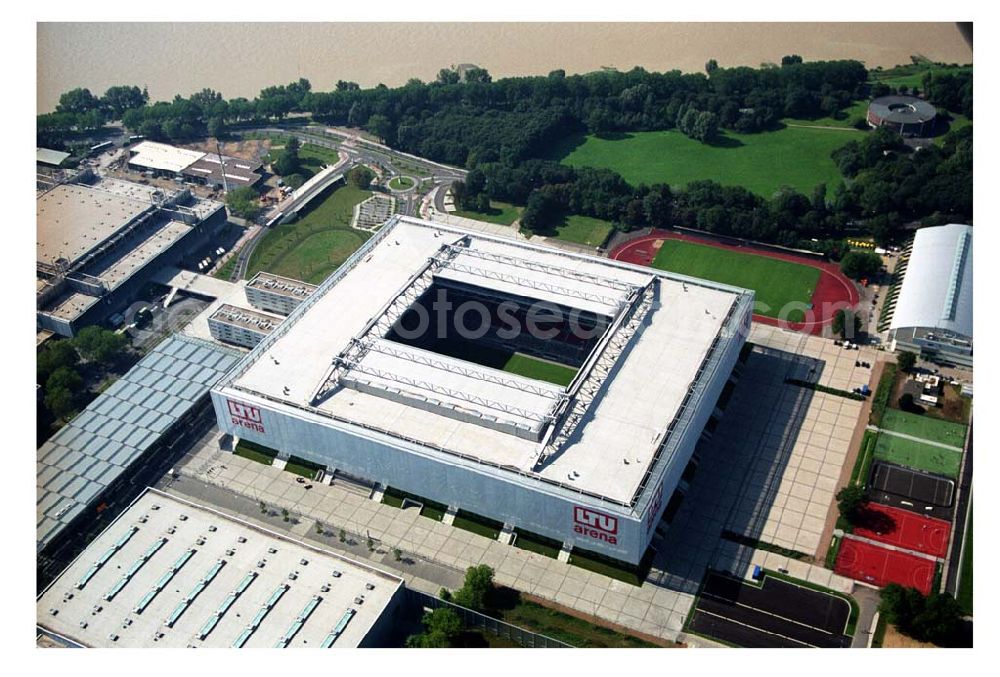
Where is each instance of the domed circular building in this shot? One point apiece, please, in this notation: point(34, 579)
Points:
point(906, 115)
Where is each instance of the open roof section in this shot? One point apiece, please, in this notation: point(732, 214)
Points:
point(637, 382)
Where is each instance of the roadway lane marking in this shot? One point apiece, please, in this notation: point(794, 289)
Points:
point(768, 613)
point(755, 628)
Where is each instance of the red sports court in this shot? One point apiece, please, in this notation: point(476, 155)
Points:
point(908, 530)
point(881, 566)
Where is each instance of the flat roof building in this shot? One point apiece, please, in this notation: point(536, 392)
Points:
point(162, 157)
point(590, 464)
point(240, 326)
point(52, 158)
point(277, 294)
point(194, 165)
point(933, 313)
point(99, 240)
point(171, 573)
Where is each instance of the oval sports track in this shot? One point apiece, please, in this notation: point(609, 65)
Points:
point(833, 290)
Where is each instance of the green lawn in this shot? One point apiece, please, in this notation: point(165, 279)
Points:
point(845, 119)
point(502, 213)
point(541, 370)
point(570, 629)
point(924, 427)
point(312, 247)
point(918, 455)
point(912, 75)
point(311, 156)
point(300, 466)
point(793, 156)
point(255, 452)
point(965, 579)
point(958, 121)
point(478, 525)
point(585, 230)
point(226, 271)
point(401, 183)
point(776, 282)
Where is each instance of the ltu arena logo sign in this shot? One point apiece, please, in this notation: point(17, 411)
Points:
point(245, 415)
point(595, 524)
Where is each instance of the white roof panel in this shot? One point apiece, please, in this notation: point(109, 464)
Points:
point(937, 287)
point(163, 157)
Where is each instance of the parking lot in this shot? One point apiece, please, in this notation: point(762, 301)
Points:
point(776, 614)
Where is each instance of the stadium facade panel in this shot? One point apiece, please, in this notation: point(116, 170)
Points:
point(591, 464)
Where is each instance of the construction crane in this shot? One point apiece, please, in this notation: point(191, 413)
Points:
point(222, 163)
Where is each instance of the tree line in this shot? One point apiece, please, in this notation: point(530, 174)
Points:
point(61, 390)
point(466, 118)
point(889, 187)
point(500, 130)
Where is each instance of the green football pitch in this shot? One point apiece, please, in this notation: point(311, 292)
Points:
point(924, 427)
point(505, 360)
point(541, 370)
point(918, 455)
point(777, 283)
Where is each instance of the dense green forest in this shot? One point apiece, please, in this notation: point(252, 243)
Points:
point(501, 129)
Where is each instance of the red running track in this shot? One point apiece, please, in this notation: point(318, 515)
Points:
point(910, 530)
point(833, 290)
point(881, 566)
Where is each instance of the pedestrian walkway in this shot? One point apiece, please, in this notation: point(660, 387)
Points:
point(648, 609)
point(890, 546)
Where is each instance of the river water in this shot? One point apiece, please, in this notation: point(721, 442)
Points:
point(238, 59)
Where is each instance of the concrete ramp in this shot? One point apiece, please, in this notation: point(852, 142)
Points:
point(193, 283)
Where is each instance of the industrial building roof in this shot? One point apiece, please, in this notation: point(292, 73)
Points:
point(937, 287)
point(72, 219)
point(121, 267)
point(238, 172)
point(93, 449)
point(47, 156)
point(662, 325)
point(163, 157)
point(71, 306)
point(170, 573)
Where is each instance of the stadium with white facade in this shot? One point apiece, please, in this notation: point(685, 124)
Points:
point(547, 391)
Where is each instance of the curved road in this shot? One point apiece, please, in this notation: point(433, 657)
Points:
point(359, 151)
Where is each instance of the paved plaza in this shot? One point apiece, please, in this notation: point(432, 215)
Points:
point(768, 472)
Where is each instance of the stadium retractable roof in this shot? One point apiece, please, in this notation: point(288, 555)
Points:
point(633, 387)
